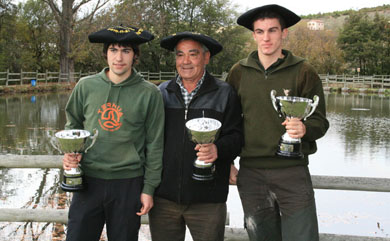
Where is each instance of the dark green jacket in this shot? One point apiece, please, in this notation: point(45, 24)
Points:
point(130, 119)
point(262, 124)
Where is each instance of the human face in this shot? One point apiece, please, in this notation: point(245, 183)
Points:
point(191, 60)
point(120, 60)
point(269, 36)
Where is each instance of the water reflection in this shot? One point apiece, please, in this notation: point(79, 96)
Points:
point(23, 123)
point(357, 144)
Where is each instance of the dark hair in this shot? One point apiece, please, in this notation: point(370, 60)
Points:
point(269, 14)
point(133, 46)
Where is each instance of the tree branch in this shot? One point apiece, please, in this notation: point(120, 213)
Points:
point(76, 8)
point(55, 9)
point(96, 8)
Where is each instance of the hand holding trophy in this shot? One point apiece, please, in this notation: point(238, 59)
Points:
point(72, 141)
point(203, 131)
point(292, 107)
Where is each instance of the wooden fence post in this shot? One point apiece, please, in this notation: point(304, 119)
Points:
point(6, 81)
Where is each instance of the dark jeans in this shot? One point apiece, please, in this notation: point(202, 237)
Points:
point(278, 204)
point(168, 220)
point(114, 202)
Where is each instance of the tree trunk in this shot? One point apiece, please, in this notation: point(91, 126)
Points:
point(66, 26)
point(66, 22)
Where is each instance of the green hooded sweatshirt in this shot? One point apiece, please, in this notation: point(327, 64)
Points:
point(262, 124)
point(129, 117)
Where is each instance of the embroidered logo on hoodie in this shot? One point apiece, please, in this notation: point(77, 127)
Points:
point(110, 115)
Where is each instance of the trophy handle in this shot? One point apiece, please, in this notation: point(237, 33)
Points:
point(93, 139)
point(274, 100)
point(313, 106)
point(53, 141)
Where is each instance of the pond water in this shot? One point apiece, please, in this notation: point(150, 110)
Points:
point(357, 144)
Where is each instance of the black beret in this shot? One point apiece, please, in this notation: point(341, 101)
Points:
point(171, 41)
point(247, 18)
point(121, 34)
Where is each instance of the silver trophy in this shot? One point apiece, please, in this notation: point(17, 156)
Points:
point(292, 107)
point(203, 131)
point(72, 141)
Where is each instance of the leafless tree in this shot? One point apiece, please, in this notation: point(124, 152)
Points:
point(66, 17)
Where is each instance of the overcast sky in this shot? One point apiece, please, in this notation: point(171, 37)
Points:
point(302, 7)
point(305, 7)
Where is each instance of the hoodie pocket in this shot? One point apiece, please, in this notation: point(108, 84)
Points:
point(117, 155)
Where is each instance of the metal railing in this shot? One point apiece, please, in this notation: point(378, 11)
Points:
point(231, 234)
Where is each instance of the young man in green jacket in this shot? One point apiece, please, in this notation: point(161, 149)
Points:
point(123, 167)
point(276, 192)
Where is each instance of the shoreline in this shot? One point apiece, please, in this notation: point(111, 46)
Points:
point(57, 87)
point(41, 88)
point(375, 91)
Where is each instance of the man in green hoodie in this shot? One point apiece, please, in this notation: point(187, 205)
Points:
point(123, 167)
point(276, 192)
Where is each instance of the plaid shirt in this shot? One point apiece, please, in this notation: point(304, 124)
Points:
point(188, 96)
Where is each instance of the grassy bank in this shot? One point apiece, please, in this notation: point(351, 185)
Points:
point(40, 88)
point(358, 90)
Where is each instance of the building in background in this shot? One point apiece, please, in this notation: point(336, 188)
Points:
point(315, 24)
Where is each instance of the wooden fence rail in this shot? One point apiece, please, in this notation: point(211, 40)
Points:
point(357, 81)
point(7, 78)
point(231, 234)
point(380, 82)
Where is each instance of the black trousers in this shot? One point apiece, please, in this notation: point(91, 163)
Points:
point(110, 202)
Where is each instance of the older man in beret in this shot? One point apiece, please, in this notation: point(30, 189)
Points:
point(276, 191)
point(123, 167)
point(183, 198)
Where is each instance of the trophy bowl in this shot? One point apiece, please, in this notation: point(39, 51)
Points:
point(203, 131)
point(292, 107)
point(72, 141)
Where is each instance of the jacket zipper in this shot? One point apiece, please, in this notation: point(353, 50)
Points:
point(184, 140)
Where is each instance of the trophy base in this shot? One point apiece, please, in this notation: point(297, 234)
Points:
point(72, 183)
point(202, 178)
point(290, 150)
point(69, 188)
point(203, 171)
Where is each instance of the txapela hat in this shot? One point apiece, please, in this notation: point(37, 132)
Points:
point(246, 19)
point(171, 41)
point(121, 34)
